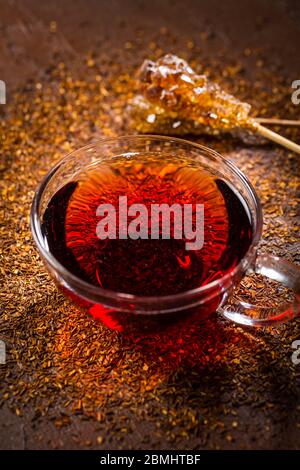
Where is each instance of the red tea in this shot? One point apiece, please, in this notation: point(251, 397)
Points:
point(147, 266)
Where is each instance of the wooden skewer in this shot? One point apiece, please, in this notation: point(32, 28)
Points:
point(278, 122)
point(267, 133)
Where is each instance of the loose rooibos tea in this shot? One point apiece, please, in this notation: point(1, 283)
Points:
point(146, 266)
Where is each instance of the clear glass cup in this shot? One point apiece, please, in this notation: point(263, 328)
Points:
point(123, 311)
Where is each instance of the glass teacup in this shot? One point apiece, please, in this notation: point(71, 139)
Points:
point(127, 311)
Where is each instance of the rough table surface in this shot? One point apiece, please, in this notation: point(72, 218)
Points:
point(69, 382)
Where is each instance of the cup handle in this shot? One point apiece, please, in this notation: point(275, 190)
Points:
point(279, 270)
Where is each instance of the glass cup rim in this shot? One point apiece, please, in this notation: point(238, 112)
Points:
point(111, 294)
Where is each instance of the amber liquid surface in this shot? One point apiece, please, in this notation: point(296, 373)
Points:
point(146, 267)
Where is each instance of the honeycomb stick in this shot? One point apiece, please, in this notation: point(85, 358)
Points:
point(174, 99)
point(278, 122)
point(271, 135)
point(172, 92)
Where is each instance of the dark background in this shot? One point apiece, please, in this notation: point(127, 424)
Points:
point(27, 46)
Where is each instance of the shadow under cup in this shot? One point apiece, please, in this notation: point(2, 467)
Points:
point(129, 312)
